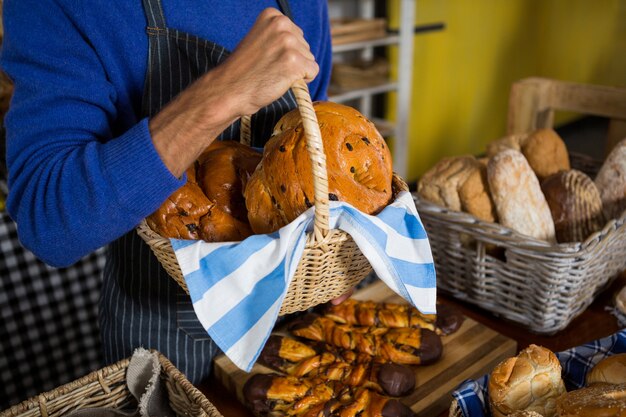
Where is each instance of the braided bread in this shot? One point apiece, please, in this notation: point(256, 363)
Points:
point(276, 395)
point(407, 346)
point(371, 313)
point(351, 368)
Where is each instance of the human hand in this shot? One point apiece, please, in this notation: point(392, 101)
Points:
point(343, 297)
point(269, 59)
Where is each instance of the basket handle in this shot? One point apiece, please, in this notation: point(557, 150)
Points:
point(315, 148)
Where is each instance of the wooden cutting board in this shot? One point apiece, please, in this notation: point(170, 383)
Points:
point(470, 352)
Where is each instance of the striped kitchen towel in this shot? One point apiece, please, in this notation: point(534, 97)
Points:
point(237, 288)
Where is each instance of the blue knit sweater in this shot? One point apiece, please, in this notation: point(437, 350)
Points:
point(82, 167)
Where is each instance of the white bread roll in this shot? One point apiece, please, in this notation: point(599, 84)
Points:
point(610, 370)
point(517, 195)
point(531, 381)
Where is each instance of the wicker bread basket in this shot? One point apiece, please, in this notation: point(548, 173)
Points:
point(107, 388)
point(528, 281)
point(331, 263)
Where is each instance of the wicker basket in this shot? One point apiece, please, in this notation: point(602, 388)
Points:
point(107, 387)
point(331, 263)
point(538, 285)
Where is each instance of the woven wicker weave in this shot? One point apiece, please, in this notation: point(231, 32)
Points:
point(331, 263)
point(455, 410)
point(541, 286)
point(107, 387)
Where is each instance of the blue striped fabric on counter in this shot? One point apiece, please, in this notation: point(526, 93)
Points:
point(237, 288)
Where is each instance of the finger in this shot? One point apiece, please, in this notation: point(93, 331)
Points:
point(342, 298)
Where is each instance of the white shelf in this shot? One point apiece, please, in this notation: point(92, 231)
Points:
point(348, 95)
point(404, 40)
point(354, 46)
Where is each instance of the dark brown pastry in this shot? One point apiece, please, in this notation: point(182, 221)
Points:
point(352, 369)
point(392, 315)
point(575, 205)
point(276, 395)
point(210, 205)
point(357, 159)
point(407, 346)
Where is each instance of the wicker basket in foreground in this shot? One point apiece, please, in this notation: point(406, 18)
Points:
point(107, 387)
point(538, 285)
point(331, 263)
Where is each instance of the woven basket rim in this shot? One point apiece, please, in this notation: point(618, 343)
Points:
point(99, 374)
point(509, 237)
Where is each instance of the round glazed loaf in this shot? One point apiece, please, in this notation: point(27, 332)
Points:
point(546, 153)
point(531, 381)
point(210, 205)
point(599, 400)
point(611, 181)
point(575, 205)
point(610, 370)
point(358, 164)
point(517, 195)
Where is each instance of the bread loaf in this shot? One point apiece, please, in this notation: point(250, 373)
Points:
point(531, 381)
point(210, 205)
point(575, 205)
point(517, 195)
point(611, 181)
point(600, 400)
point(475, 195)
point(610, 370)
point(442, 182)
point(545, 152)
point(358, 163)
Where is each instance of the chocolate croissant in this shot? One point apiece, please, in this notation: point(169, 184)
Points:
point(407, 346)
point(350, 368)
point(371, 313)
point(277, 395)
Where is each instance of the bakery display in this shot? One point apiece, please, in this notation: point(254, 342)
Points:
point(408, 346)
point(358, 163)
point(210, 206)
point(611, 181)
point(575, 205)
point(517, 195)
point(531, 381)
point(610, 370)
point(599, 400)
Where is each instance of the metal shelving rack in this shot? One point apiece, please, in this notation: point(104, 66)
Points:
point(402, 86)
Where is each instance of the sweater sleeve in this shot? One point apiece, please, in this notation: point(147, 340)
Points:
point(319, 86)
point(73, 187)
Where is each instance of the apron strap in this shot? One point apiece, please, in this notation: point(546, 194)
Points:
point(284, 7)
point(154, 13)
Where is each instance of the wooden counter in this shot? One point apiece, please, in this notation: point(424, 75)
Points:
point(594, 323)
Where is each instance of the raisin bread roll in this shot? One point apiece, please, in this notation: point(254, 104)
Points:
point(517, 195)
point(575, 205)
point(611, 181)
point(358, 163)
point(546, 153)
point(210, 205)
point(530, 381)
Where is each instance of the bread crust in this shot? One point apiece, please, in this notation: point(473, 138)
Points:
point(517, 195)
point(611, 181)
point(531, 381)
point(605, 400)
point(610, 370)
point(546, 153)
point(358, 163)
point(441, 183)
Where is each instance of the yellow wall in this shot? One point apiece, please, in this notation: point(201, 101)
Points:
point(462, 75)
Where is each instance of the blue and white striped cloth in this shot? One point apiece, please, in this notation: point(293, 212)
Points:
point(473, 398)
point(237, 288)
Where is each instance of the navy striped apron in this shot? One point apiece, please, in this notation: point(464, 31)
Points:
point(140, 304)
